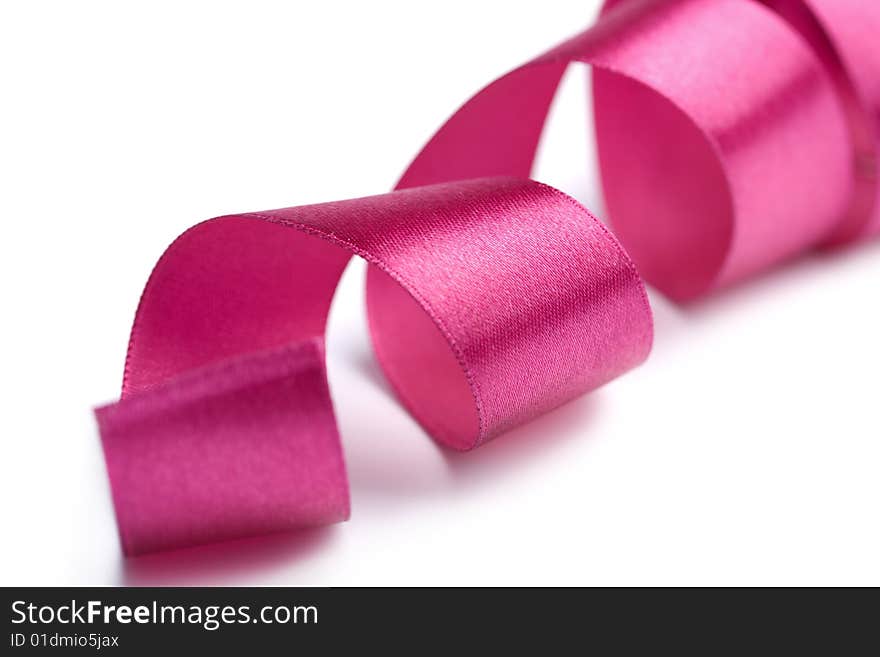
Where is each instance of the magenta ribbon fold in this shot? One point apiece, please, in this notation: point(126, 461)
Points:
point(490, 301)
point(732, 135)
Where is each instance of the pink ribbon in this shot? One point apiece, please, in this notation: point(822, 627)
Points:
point(845, 35)
point(490, 302)
point(730, 138)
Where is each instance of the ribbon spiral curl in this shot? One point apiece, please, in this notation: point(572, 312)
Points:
point(490, 301)
point(732, 134)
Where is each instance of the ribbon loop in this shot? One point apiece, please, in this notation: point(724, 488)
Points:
point(723, 147)
point(490, 302)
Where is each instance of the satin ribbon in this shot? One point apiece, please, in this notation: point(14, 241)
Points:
point(845, 34)
point(490, 301)
point(730, 138)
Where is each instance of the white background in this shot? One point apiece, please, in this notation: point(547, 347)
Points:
point(745, 451)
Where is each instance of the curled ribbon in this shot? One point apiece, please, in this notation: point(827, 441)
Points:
point(490, 301)
point(731, 136)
